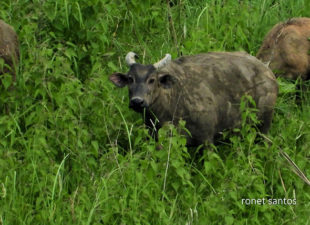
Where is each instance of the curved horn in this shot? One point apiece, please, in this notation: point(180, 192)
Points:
point(161, 63)
point(131, 58)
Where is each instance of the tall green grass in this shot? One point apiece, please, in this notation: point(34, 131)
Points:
point(71, 152)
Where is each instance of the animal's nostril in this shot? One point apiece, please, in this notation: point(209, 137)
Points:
point(137, 102)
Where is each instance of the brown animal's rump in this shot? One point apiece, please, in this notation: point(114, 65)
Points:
point(286, 49)
point(205, 90)
point(9, 49)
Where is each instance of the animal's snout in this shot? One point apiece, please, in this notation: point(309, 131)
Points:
point(137, 103)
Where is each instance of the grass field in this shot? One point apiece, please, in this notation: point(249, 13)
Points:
point(71, 152)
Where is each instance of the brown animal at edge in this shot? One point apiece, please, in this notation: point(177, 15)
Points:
point(286, 49)
point(9, 49)
point(205, 90)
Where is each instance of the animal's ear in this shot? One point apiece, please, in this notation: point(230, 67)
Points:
point(119, 79)
point(166, 80)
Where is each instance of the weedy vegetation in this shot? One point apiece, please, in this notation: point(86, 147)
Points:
point(71, 152)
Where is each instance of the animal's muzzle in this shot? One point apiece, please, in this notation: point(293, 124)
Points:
point(137, 104)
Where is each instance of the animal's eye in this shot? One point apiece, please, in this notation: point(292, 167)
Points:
point(130, 80)
point(151, 81)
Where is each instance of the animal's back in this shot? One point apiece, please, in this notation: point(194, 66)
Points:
point(9, 47)
point(285, 48)
point(229, 72)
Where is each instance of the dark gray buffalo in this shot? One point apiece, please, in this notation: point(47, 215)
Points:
point(9, 49)
point(205, 90)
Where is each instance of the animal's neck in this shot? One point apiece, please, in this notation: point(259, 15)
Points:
point(165, 106)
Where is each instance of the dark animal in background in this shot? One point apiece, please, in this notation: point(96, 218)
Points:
point(286, 49)
point(205, 90)
point(9, 49)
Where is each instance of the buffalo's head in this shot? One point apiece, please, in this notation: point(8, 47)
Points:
point(144, 81)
